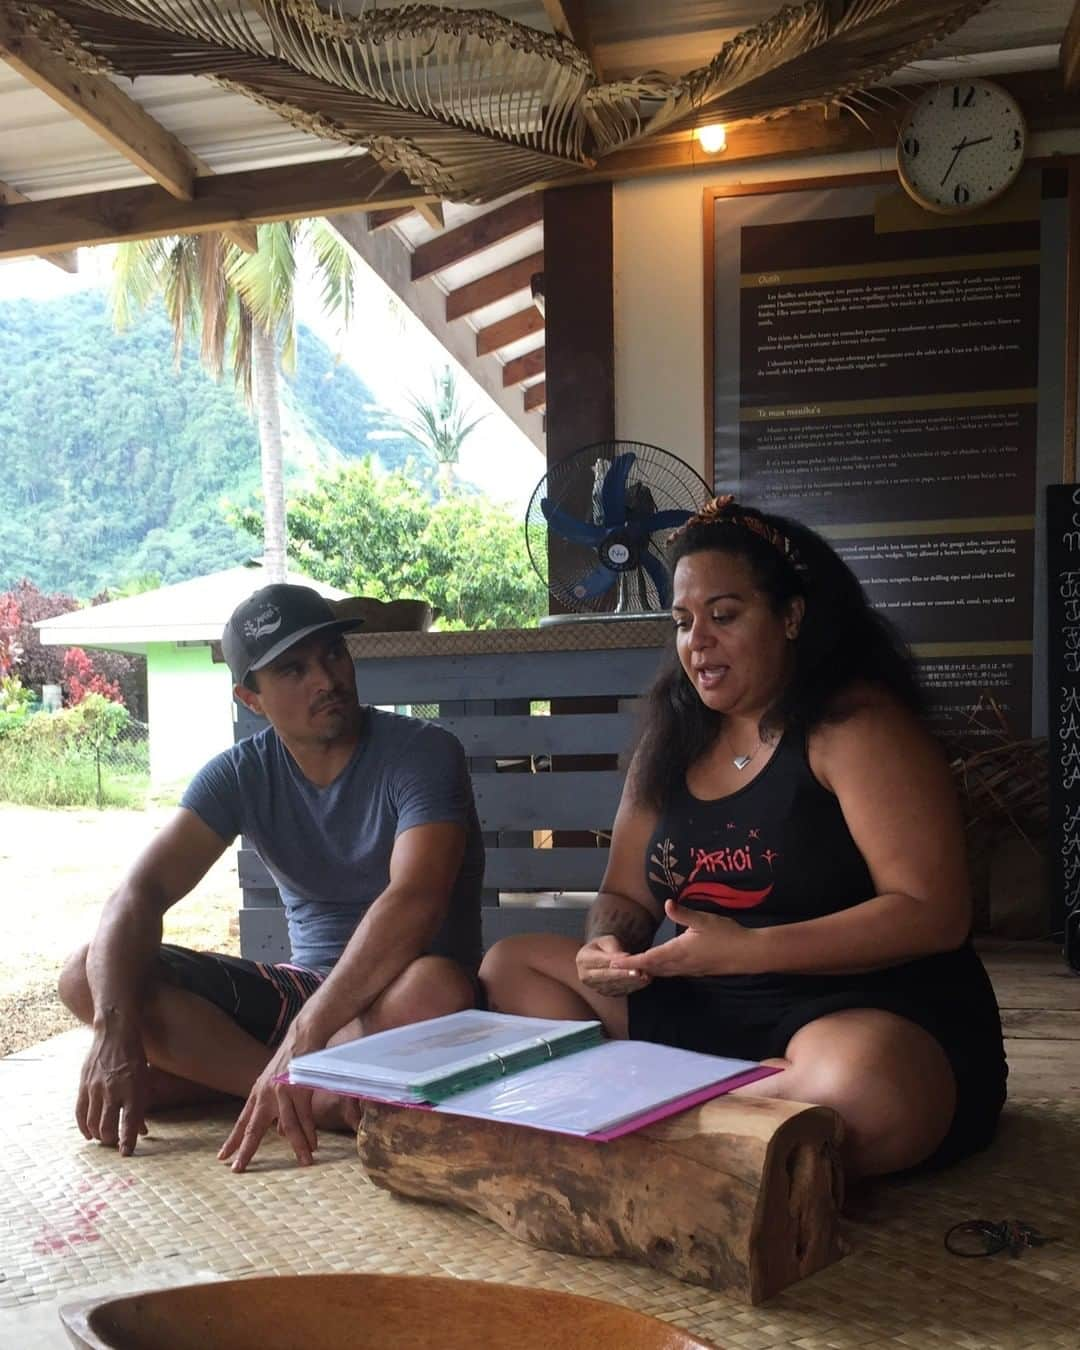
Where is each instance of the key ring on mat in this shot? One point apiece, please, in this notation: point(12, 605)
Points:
point(1009, 1235)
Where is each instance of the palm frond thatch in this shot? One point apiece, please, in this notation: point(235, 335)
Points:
point(470, 105)
point(796, 58)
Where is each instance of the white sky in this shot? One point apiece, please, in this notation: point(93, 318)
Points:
point(386, 345)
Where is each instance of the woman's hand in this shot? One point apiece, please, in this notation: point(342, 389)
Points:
point(711, 945)
point(596, 971)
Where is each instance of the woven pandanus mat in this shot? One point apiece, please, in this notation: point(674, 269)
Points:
point(75, 1217)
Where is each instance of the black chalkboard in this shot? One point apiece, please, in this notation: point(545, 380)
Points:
point(1063, 673)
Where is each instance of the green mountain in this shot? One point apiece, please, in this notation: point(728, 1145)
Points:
point(116, 462)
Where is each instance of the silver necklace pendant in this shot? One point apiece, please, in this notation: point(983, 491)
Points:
point(741, 761)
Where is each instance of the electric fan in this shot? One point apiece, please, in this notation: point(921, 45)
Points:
point(598, 523)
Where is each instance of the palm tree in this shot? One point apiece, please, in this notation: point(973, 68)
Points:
point(240, 303)
point(437, 424)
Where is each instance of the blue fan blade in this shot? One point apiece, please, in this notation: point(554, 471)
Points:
point(596, 583)
point(613, 491)
point(665, 520)
point(568, 527)
point(660, 578)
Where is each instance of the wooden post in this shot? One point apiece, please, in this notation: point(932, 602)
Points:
point(740, 1194)
point(579, 314)
point(579, 378)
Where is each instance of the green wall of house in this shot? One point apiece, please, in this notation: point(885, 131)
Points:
point(190, 709)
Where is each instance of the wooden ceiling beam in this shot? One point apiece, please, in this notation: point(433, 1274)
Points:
point(383, 219)
point(108, 112)
point(535, 397)
point(237, 202)
point(522, 368)
point(795, 135)
point(495, 286)
point(570, 19)
point(102, 106)
point(523, 324)
point(429, 211)
point(1070, 51)
point(67, 262)
point(432, 214)
point(221, 201)
point(465, 241)
point(243, 236)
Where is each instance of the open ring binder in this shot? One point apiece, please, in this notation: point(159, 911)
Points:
point(561, 1076)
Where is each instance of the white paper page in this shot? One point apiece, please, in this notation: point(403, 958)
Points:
point(414, 1053)
point(595, 1089)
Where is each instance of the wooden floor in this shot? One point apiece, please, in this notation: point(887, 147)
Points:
point(1039, 998)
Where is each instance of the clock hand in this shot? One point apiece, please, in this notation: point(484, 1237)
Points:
point(956, 156)
point(964, 144)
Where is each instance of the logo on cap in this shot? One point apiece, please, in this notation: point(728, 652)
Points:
point(266, 621)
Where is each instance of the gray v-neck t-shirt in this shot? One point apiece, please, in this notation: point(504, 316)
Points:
point(328, 848)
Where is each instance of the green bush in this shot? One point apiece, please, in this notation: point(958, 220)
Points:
point(82, 756)
point(15, 700)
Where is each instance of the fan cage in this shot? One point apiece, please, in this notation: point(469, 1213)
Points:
point(656, 481)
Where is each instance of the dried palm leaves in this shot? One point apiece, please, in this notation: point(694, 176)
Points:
point(470, 105)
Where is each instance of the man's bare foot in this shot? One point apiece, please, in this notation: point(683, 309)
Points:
point(332, 1112)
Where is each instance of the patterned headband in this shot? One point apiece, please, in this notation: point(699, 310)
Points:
point(725, 510)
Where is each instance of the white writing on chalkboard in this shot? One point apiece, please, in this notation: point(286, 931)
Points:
point(1068, 715)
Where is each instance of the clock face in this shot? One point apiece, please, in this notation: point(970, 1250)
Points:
point(961, 145)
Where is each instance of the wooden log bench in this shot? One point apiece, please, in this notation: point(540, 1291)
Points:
point(740, 1194)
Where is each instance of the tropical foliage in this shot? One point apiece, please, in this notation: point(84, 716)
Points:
point(439, 425)
point(114, 461)
point(242, 304)
point(122, 679)
point(373, 533)
point(92, 755)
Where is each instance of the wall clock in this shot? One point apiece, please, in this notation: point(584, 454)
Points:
point(961, 145)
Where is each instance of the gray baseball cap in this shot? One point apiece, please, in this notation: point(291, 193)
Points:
point(273, 620)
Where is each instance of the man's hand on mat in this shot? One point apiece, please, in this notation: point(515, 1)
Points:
point(711, 945)
point(113, 1092)
point(595, 968)
point(268, 1102)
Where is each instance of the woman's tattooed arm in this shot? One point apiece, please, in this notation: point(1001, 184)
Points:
point(624, 919)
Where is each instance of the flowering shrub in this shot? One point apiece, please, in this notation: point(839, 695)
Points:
point(10, 647)
point(79, 678)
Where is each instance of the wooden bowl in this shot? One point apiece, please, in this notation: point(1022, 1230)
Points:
point(386, 616)
point(377, 1312)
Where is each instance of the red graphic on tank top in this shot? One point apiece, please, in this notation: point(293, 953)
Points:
point(724, 897)
point(704, 886)
point(721, 877)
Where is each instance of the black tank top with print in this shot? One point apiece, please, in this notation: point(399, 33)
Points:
point(776, 851)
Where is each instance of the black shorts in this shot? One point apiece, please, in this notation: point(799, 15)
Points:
point(755, 1017)
point(262, 999)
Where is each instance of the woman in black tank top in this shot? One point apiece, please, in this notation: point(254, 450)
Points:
point(788, 811)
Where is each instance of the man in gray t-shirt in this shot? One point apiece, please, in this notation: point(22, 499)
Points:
point(366, 822)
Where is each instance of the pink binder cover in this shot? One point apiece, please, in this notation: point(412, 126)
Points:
point(628, 1126)
point(672, 1108)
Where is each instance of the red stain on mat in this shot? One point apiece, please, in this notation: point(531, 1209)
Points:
point(92, 1200)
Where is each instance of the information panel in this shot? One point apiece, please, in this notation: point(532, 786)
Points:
point(877, 376)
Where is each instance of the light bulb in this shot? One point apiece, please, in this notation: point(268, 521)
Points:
point(712, 138)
